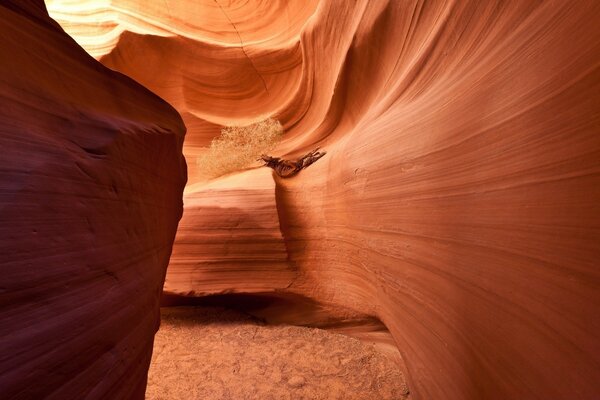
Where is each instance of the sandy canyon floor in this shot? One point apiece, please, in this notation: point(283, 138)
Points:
point(214, 353)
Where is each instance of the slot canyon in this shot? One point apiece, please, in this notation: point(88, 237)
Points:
point(445, 245)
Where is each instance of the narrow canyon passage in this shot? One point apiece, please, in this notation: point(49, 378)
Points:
point(208, 353)
point(452, 225)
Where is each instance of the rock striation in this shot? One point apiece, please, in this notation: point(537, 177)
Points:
point(230, 240)
point(91, 180)
point(458, 201)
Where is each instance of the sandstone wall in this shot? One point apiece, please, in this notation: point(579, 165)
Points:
point(91, 179)
point(458, 202)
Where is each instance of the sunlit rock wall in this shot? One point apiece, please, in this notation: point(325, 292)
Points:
point(91, 179)
point(459, 200)
point(230, 240)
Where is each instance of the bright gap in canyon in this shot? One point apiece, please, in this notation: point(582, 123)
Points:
point(299, 199)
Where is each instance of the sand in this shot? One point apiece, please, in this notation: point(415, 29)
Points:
point(214, 353)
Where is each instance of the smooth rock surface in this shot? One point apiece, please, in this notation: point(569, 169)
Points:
point(230, 240)
point(91, 179)
point(459, 199)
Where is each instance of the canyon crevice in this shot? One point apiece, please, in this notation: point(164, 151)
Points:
point(458, 203)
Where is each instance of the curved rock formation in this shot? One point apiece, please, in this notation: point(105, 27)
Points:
point(91, 178)
point(230, 240)
point(458, 201)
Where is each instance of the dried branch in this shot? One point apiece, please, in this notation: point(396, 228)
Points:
point(288, 168)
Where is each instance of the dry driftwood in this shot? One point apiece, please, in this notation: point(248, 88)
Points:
point(287, 168)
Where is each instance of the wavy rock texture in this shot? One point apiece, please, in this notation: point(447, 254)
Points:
point(91, 179)
point(230, 240)
point(459, 200)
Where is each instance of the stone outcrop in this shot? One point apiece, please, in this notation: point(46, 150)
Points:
point(91, 179)
point(230, 240)
point(458, 201)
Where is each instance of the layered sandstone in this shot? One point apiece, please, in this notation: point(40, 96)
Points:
point(91, 179)
point(230, 240)
point(458, 201)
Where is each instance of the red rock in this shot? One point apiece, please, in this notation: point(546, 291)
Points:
point(91, 178)
point(458, 201)
point(229, 240)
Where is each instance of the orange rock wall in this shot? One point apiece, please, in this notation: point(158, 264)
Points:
point(230, 240)
point(460, 202)
point(91, 179)
point(459, 198)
